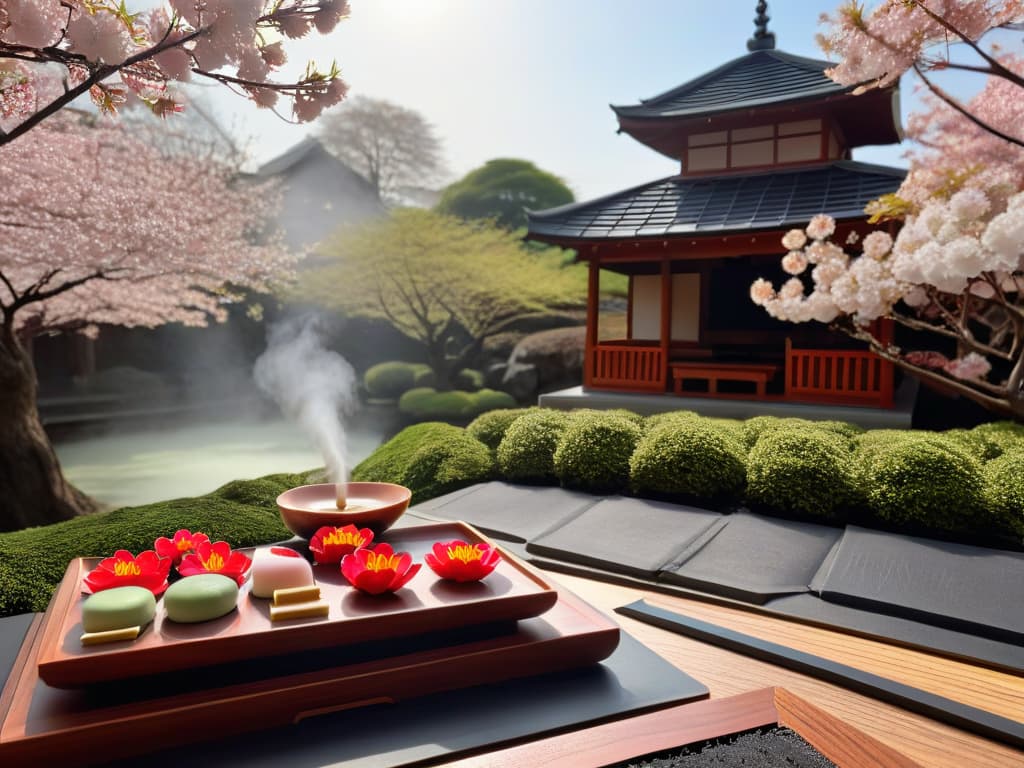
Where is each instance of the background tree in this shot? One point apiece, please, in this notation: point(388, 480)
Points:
point(955, 270)
point(447, 284)
point(97, 227)
point(394, 148)
point(503, 190)
point(52, 52)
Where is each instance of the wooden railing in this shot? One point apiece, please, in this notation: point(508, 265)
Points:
point(632, 368)
point(826, 374)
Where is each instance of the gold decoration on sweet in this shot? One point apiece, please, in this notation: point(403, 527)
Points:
point(110, 636)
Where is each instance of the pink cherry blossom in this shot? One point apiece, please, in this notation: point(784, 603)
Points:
point(821, 226)
point(970, 366)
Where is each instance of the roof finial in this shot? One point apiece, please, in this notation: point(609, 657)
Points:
point(763, 40)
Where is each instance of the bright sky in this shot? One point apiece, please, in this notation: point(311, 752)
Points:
point(534, 78)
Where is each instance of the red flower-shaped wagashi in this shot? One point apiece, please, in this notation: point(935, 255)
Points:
point(184, 542)
point(378, 570)
point(216, 558)
point(124, 569)
point(329, 544)
point(459, 561)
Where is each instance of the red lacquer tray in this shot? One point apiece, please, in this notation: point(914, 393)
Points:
point(426, 604)
point(40, 725)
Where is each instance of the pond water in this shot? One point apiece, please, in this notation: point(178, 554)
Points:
point(140, 464)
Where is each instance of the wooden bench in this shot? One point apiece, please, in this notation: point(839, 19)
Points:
point(758, 373)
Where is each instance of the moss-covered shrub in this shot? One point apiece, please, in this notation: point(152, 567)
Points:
point(594, 451)
point(527, 452)
point(430, 459)
point(920, 480)
point(622, 413)
point(388, 381)
point(656, 420)
point(800, 470)
point(489, 428)
point(752, 429)
point(980, 445)
point(1004, 435)
point(690, 457)
point(426, 403)
point(33, 561)
point(1004, 490)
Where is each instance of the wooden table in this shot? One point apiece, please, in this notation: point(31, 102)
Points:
point(924, 742)
point(758, 374)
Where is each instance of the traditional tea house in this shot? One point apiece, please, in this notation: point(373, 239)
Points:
point(763, 144)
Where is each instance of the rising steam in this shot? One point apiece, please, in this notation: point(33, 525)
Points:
point(313, 385)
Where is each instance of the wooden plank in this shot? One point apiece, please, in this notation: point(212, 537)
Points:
point(939, 708)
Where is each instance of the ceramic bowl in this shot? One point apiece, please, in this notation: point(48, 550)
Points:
point(376, 506)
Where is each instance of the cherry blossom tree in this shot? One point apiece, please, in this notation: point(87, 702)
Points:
point(53, 51)
point(99, 227)
point(955, 269)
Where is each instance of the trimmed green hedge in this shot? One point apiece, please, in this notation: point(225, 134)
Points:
point(689, 457)
point(389, 381)
point(425, 403)
point(800, 470)
point(430, 459)
point(33, 561)
point(527, 452)
point(593, 453)
point(490, 427)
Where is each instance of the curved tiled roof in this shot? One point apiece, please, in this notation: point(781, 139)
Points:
point(688, 205)
point(757, 79)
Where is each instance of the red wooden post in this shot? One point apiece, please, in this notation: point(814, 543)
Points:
point(593, 296)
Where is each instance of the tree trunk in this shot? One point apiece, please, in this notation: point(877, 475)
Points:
point(32, 486)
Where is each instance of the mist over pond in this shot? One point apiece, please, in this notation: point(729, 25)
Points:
point(139, 464)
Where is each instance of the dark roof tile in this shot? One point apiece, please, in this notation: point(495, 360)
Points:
point(703, 205)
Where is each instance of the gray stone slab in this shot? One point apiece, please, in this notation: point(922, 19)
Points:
point(634, 536)
point(755, 558)
point(969, 589)
point(511, 512)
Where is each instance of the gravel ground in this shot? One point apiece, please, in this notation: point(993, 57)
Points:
point(774, 748)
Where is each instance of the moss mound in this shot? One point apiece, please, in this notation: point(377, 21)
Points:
point(594, 451)
point(752, 429)
point(430, 459)
point(489, 428)
point(656, 420)
point(921, 480)
point(527, 452)
point(800, 470)
point(690, 457)
point(390, 380)
point(1004, 490)
point(427, 404)
point(33, 561)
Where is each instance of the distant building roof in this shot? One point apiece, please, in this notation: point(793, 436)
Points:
point(760, 78)
point(707, 205)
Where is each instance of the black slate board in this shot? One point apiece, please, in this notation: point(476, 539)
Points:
point(633, 536)
point(510, 512)
point(755, 558)
point(440, 726)
point(939, 708)
point(950, 585)
point(763, 748)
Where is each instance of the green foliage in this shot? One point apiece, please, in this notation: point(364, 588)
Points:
point(1004, 490)
point(594, 451)
point(656, 420)
point(489, 428)
point(425, 403)
point(33, 561)
point(468, 380)
point(752, 429)
point(388, 381)
point(918, 479)
point(430, 459)
point(1004, 435)
point(800, 470)
point(690, 457)
point(980, 445)
point(503, 190)
point(620, 413)
point(527, 452)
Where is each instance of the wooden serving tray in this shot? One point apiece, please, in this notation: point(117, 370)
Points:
point(41, 725)
point(426, 604)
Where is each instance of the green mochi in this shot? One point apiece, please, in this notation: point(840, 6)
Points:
point(118, 608)
point(200, 598)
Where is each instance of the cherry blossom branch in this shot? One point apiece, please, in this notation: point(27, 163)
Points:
point(919, 325)
point(964, 111)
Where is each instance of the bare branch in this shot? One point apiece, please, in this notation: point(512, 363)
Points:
point(964, 111)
